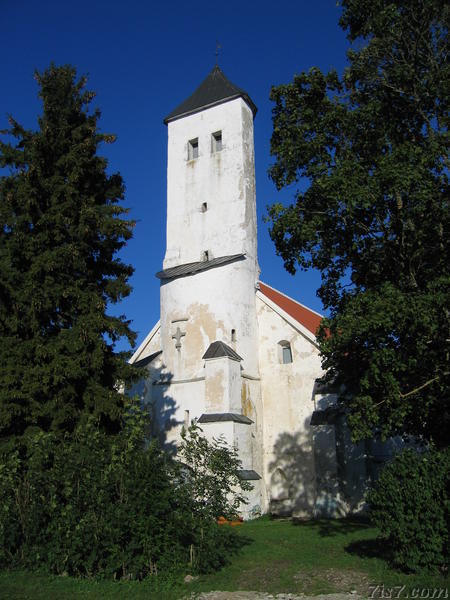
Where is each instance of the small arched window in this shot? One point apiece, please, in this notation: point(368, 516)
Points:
point(285, 352)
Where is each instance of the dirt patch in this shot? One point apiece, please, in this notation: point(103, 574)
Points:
point(263, 596)
point(348, 580)
point(262, 577)
point(345, 580)
point(232, 596)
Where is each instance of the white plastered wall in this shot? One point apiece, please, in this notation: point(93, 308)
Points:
point(222, 385)
point(287, 392)
point(224, 180)
point(208, 305)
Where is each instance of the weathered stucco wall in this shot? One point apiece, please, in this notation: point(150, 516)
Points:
point(287, 404)
point(207, 307)
point(217, 304)
point(222, 385)
point(223, 180)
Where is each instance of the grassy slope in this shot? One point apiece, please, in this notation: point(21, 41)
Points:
point(315, 557)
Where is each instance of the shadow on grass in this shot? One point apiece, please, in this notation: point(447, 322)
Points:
point(240, 541)
point(236, 541)
point(226, 545)
point(372, 548)
point(335, 527)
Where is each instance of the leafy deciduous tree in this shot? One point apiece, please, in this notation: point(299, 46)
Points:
point(213, 478)
point(374, 217)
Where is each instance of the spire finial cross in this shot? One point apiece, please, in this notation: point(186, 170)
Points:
point(218, 47)
point(178, 335)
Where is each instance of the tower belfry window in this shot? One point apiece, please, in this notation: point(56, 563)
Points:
point(216, 141)
point(193, 149)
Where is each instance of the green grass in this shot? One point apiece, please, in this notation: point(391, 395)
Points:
point(281, 556)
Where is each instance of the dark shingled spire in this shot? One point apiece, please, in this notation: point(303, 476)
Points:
point(214, 90)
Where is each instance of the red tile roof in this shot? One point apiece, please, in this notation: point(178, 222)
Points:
point(305, 316)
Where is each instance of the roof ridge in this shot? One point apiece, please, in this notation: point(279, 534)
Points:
point(303, 315)
point(293, 300)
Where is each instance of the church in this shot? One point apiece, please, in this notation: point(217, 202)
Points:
point(230, 352)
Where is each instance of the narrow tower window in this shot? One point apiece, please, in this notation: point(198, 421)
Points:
point(285, 352)
point(205, 255)
point(193, 149)
point(216, 141)
point(233, 335)
point(204, 206)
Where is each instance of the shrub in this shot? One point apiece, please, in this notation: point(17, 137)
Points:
point(90, 504)
point(93, 504)
point(213, 482)
point(410, 505)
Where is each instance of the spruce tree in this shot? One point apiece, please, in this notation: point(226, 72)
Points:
point(61, 226)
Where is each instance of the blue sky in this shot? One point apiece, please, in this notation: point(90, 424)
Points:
point(143, 59)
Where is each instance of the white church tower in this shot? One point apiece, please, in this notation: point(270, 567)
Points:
point(208, 327)
point(210, 266)
point(230, 352)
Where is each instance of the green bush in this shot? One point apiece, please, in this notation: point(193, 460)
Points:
point(94, 504)
point(410, 505)
point(212, 483)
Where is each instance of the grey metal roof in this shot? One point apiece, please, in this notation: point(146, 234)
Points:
point(196, 267)
point(222, 417)
point(218, 349)
point(215, 89)
point(143, 362)
point(248, 475)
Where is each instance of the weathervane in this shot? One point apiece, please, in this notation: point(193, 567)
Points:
point(218, 47)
